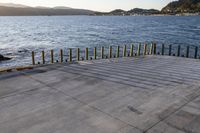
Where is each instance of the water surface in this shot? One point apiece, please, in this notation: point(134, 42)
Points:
point(21, 35)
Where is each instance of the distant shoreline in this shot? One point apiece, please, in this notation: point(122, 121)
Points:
point(98, 15)
point(39, 11)
point(152, 15)
point(161, 14)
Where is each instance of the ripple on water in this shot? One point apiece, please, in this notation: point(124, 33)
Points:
point(21, 35)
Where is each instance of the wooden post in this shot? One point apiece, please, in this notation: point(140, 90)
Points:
point(124, 51)
point(52, 60)
point(33, 57)
point(43, 58)
point(61, 56)
point(117, 55)
point(70, 55)
point(170, 50)
point(151, 49)
point(110, 51)
point(178, 50)
point(154, 48)
point(131, 51)
point(145, 49)
point(86, 53)
point(102, 52)
point(139, 48)
point(196, 52)
point(187, 51)
point(163, 49)
point(95, 53)
point(78, 54)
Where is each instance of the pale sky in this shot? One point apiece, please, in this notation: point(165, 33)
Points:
point(97, 5)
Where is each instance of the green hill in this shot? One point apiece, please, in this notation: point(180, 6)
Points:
point(182, 6)
point(135, 11)
point(143, 11)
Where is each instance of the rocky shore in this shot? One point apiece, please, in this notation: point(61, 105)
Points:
point(3, 58)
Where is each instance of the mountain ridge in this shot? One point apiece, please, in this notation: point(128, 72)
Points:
point(173, 8)
point(11, 9)
point(25, 6)
point(13, 5)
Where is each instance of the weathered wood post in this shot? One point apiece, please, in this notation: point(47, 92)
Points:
point(139, 48)
point(151, 49)
point(196, 52)
point(124, 51)
point(110, 51)
point(61, 56)
point(70, 55)
point(86, 53)
point(179, 50)
point(118, 48)
point(78, 54)
point(95, 53)
point(145, 49)
point(187, 51)
point(52, 59)
point(154, 48)
point(131, 51)
point(170, 50)
point(102, 52)
point(43, 58)
point(33, 57)
point(163, 49)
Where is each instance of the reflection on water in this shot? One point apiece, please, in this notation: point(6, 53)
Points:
point(20, 35)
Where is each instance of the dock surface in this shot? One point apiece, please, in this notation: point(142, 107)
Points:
point(151, 94)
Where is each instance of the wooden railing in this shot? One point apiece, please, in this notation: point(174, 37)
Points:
point(152, 49)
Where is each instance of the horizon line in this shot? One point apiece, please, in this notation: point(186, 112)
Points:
point(28, 6)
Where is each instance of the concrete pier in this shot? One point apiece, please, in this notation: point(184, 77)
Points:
point(151, 94)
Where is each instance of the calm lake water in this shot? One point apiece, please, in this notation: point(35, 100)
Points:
point(21, 35)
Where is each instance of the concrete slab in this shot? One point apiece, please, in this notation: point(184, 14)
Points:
point(25, 103)
point(47, 110)
point(52, 77)
point(11, 84)
point(155, 94)
point(185, 120)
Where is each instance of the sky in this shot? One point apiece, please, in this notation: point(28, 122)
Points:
point(97, 5)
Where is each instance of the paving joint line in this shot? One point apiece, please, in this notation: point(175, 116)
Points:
point(176, 110)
